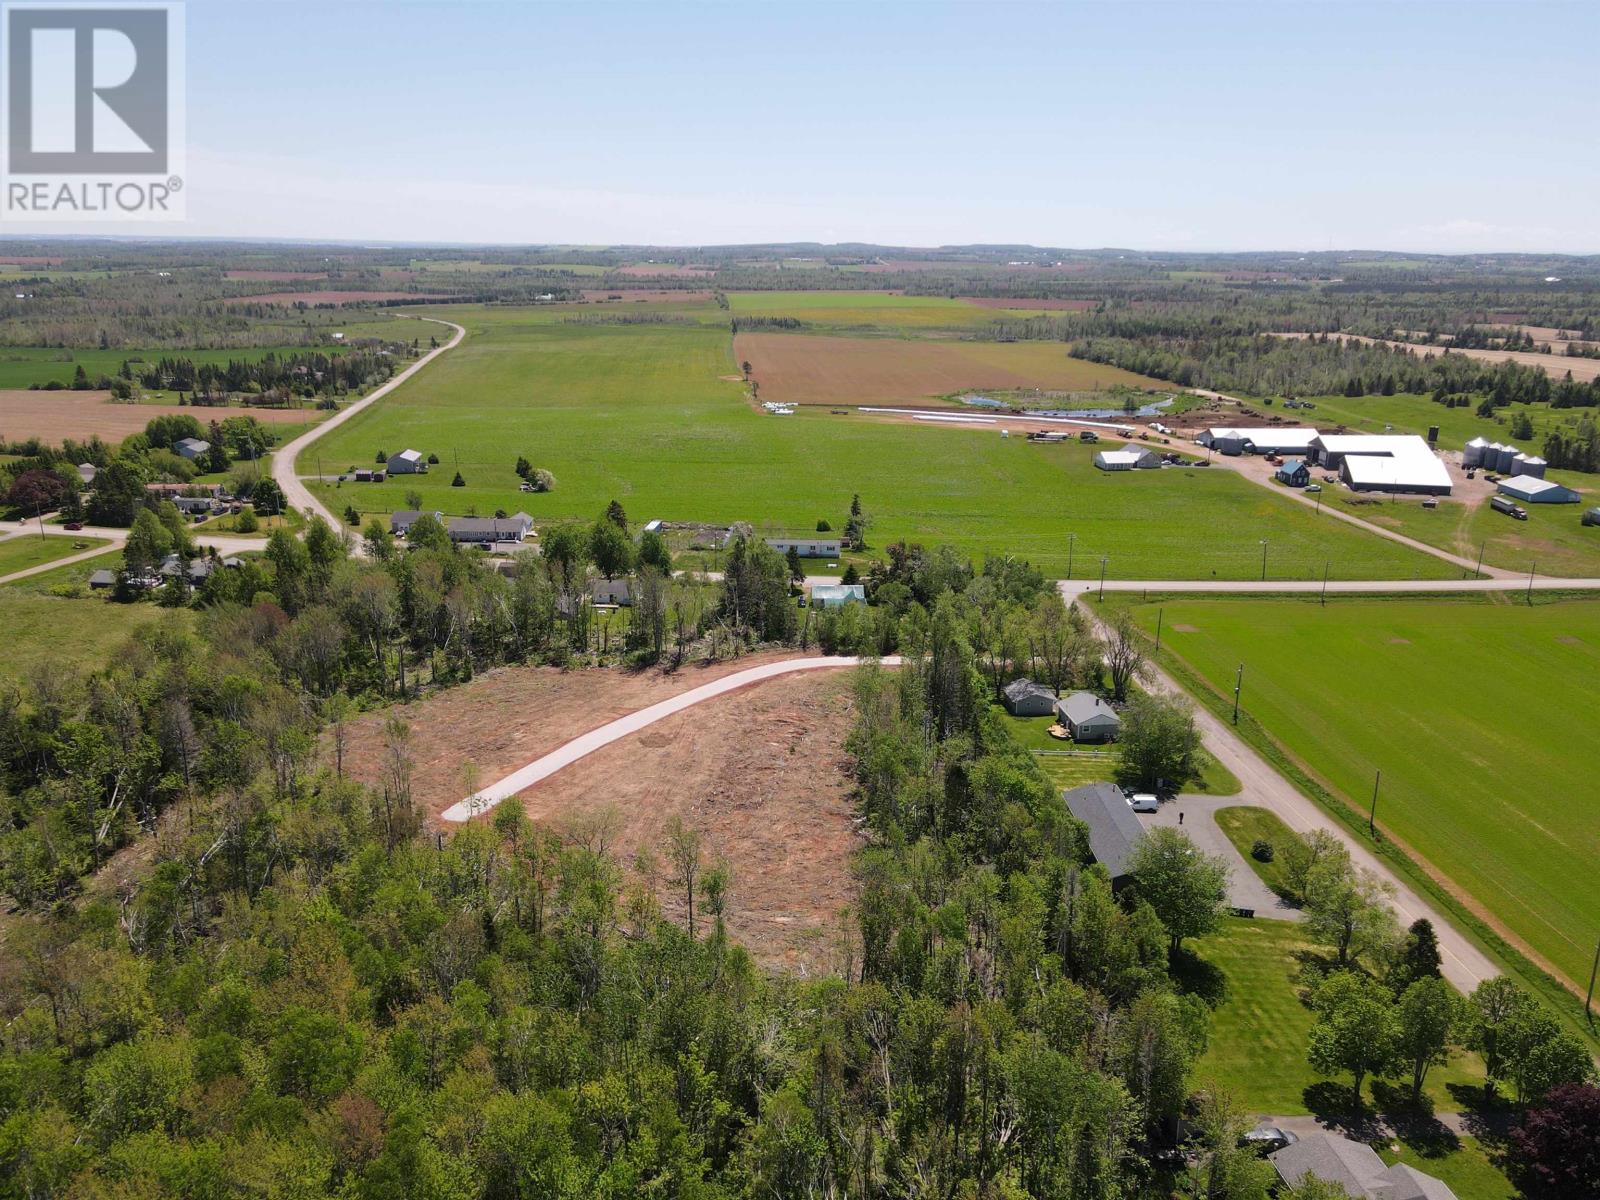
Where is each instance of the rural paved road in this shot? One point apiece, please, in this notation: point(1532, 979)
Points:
point(1245, 889)
point(547, 765)
point(296, 493)
point(1071, 589)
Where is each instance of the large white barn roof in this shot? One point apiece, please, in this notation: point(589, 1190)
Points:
point(1270, 436)
point(1387, 459)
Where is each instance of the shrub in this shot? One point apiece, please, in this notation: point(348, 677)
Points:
point(543, 481)
point(433, 460)
point(382, 456)
point(1261, 850)
point(824, 527)
point(458, 481)
point(248, 522)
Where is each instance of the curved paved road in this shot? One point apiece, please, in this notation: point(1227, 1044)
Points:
point(295, 492)
point(114, 538)
point(547, 765)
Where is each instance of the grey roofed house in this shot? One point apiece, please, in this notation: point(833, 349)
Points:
point(486, 531)
point(1088, 718)
point(1356, 1168)
point(1025, 698)
point(190, 448)
point(1113, 829)
point(400, 523)
point(103, 578)
point(407, 462)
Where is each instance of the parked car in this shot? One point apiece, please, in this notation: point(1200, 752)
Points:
point(1144, 802)
point(74, 525)
point(1313, 487)
point(1266, 1139)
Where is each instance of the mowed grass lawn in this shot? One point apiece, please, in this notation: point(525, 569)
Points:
point(644, 414)
point(1261, 1030)
point(1479, 712)
point(1553, 540)
point(23, 551)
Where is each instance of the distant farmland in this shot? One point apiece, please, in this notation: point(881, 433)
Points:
point(54, 416)
point(845, 370)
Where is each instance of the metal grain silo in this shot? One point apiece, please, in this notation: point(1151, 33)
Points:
point(1472, 452)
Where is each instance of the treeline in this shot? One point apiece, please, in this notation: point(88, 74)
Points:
point(755, 324)
point(1574, 447)
point(307, 375)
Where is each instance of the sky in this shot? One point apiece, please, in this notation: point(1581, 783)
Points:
point(1437, 127)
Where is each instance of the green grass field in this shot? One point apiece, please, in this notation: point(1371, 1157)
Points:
point(1414, 414)
point(23, 551)
point(22, 366)
point(879, 309)
point(1260, 1031)
point(643, 414)
point(1478, 711)
point(49, 631)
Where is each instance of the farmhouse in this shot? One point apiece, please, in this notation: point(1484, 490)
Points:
point(1088, 718)
point(1355, 1167)
point(1130, 458)
point(1382, 462)
point(807, 547)
point(1266, 440)
point(400, 523)
point(407, 462)
point(171, 491)
point(1293, 472)
point(1025, 698)
point(490, 531)
point(1533, 490)
point(1113, 829)
point(835, 595)
point(190, 448)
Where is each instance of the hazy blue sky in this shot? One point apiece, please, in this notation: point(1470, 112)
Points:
point(1428, 126)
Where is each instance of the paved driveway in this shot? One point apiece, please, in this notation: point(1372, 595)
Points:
point(1245, 889)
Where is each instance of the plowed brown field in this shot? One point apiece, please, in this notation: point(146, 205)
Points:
point(54, 416)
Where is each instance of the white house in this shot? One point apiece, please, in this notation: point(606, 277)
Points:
point(407, 462)
point(807, 547)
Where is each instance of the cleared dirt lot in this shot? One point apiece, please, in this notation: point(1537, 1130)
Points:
point(53, 416)
point(759, 772)
point(805, 369)
point(666, 271)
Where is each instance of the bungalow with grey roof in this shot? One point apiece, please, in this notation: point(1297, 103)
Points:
point(191, 448)
point(1025, 698)
point(1113, 829)
point(1088, 718)
point(1356, 1168)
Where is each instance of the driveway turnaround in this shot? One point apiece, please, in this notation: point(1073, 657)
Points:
point(1245, 889)
point(547, 765)
point(296, 493)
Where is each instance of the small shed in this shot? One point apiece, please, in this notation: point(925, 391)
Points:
point(1592, 517)
point(1088, 718)
point(407, 462)
point(1114, 831)
point(1025, 698)
point(1293, 472)
point(1533, 490)
point(102, 579)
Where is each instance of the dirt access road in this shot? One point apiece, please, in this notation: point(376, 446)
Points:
point(548, 764)
point(295, 492)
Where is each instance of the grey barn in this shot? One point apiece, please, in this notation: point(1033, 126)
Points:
point(1025, 698)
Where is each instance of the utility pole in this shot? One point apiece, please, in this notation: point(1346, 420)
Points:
point(1072, 539)
point(1237, 684)
point(1102, 577)
point(1263, 560)
point(1325, 567)
point(1372, 813)
point(1589, 999)
point(1160, 614)
point(1531, 570)
point(1482, 546)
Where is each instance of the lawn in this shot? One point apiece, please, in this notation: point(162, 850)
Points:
point(1553, 539)
point(1478, 711)
point(1414, 414)
point(50, 631)
point(1247, 824)
point(1462, 1163)
point(646, 414)
point(1260, 1030)
point(1088, 764)
point(23, 551)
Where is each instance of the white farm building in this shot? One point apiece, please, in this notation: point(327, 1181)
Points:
point(1383, 462)
point(1532, 490)
point(1266, 440)
point(1130, 458)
